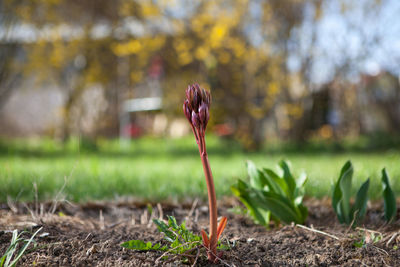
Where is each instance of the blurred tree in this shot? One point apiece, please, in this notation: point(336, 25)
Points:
point(71, 47)
point(241, 50)
point(9, 72)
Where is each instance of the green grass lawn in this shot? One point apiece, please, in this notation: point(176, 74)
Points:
point(159, 169)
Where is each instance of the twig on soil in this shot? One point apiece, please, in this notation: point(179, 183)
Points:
point(392, 238)
point(87, 236)
point(118, 223)
point(317, 231)
point(197, 256)
point(352, 222)
point(381, 250)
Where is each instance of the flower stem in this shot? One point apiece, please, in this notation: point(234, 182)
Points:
point(212, 200)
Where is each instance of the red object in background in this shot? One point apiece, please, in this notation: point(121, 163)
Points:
point(156, 68)
point(223, 130)
point(133, 131)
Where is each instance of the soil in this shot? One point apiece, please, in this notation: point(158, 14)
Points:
point(90, 235)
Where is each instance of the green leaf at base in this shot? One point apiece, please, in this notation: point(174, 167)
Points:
point(360, 205)
point(142, 246)
point(389, 199)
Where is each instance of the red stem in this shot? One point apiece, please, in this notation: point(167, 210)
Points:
point(212, 200)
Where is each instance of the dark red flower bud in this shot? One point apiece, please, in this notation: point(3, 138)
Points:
point(196, 106)
point(197, 87)
point(203, 114)
point(187, 111)
point(189, 96)
point(208, 99)
point(188, 92)
point(196, 100)
point(195, 119)
point(207, 117)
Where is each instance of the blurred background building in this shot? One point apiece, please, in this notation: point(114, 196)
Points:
point(293, 70)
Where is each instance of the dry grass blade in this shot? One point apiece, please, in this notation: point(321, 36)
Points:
point(11, 204)
point(197, 257)
point(352, 222)
point(33, 215)
point(391, 239)
point(143, 218)
point(368, 230)
point(58, 196)
point(381, 250)
point(160, 211)
point(190, 214)
point(317, 231)
point(150, 220)
point(101, 219)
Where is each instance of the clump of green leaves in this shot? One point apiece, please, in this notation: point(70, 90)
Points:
point(389, 199)
point(180, 241)
point(8, 259)
point(272, 196)
point(346, 213)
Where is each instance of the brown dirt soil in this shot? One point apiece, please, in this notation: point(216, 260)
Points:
point(91, 234)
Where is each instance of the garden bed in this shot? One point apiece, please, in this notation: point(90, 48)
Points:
point(91, 234)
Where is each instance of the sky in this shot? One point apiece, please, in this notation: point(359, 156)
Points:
point(352, 35)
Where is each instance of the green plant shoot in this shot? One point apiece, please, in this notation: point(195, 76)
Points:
point(8, 258)
point(345, 212)
point(179, 240)
point(389, 199)
point(270, 196)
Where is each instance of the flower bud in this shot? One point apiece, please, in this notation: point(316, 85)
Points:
point(196, 106)
point(188, 92)
point(196, 100)
point(207, 117)
point(195, 119)
point(203, 114)
point(208, 99)
point(187, 111)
